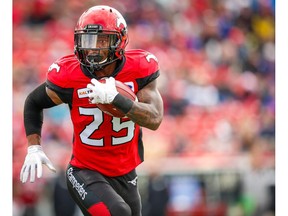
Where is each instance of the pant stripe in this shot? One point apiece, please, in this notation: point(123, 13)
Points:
point(99, 209)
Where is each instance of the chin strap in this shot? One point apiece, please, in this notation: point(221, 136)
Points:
point(97, 67)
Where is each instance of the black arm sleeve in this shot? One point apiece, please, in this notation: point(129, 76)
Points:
point(35, 102)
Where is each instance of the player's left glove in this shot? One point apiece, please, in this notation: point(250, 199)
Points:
point(103, 93)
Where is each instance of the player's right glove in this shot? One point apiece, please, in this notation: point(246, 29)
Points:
point(102, 92)
point(34, 159)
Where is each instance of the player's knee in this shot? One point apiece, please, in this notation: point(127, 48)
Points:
point(121, 208)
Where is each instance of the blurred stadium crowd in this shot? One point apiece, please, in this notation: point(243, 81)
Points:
point(217, 64)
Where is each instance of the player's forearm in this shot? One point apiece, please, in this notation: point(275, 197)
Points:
point(148, 112)
point(145, 115)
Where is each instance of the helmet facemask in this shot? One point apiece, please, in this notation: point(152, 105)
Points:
point(96, 48)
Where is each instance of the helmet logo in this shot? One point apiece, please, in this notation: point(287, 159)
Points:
point(120, 20)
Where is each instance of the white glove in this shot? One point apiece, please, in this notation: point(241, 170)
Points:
point(34, 159)
point(103, 93)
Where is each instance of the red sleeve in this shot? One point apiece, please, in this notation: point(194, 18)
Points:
point(148, 64)
point(58, 73)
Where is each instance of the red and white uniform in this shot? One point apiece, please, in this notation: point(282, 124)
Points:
point(112, 146)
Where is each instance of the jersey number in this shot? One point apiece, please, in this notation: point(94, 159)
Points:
point(117, 125)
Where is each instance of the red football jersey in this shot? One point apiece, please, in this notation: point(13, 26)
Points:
point(112, 146)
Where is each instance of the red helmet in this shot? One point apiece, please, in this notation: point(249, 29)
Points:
point(95, 23)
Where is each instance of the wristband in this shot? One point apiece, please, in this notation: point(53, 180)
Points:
point(122, 103)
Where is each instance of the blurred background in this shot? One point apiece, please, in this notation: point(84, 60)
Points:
point(214, 153)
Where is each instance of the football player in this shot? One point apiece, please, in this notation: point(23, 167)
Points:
point(101, 175)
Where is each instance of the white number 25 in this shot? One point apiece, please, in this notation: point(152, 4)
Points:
point(117, 125)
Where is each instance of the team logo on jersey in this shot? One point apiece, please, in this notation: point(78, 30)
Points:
point(133, 181)
point(151, 56)
point(83, 92)
point(54, 66)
